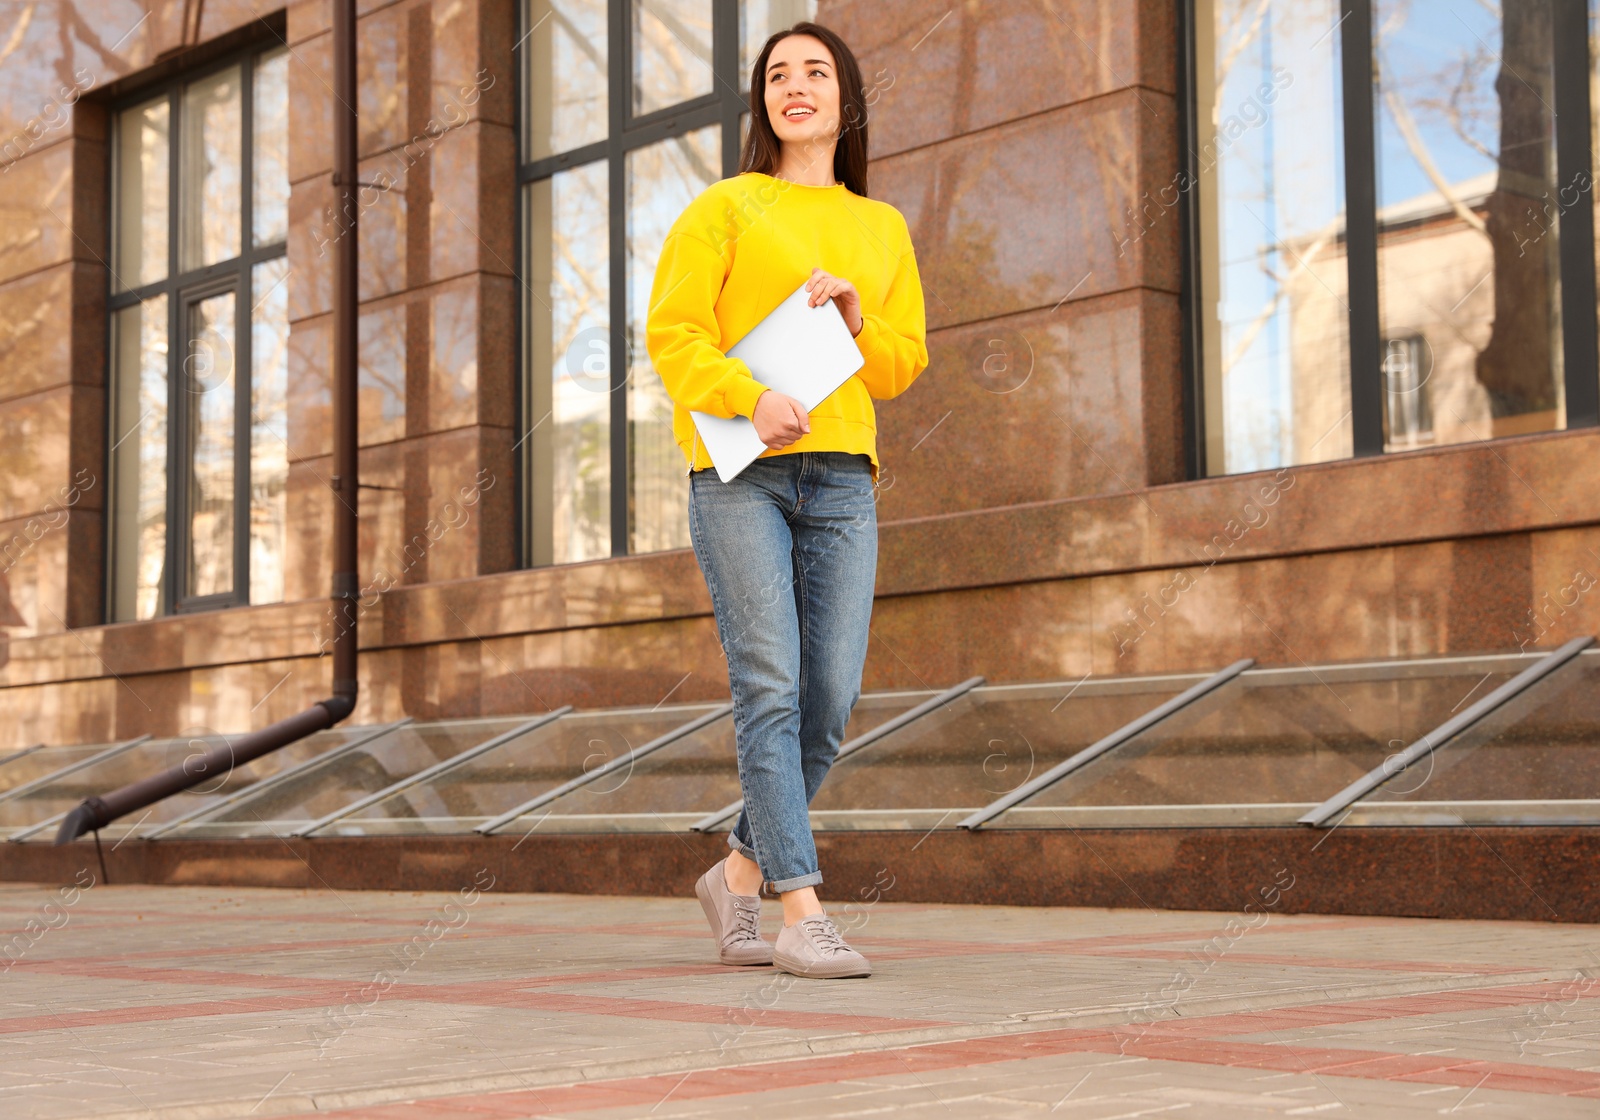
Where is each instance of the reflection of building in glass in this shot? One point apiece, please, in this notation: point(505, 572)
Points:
point(1438, 297)
point(1462, 158)
point(1408, 398)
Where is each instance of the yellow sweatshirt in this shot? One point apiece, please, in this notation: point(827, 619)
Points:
point(742, 247)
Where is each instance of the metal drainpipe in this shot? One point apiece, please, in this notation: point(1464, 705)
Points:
point(97, 812)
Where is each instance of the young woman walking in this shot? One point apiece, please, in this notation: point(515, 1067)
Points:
point(789, 548)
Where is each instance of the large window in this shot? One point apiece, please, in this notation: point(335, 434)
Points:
point(199, 342)
point(1393, 236)
point(629, 109)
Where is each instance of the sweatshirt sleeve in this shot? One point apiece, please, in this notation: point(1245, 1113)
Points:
point(682, 335)
point(894, 341)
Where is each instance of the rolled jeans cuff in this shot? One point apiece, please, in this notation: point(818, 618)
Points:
point(797, 882)
point(781, 885)
point(741, 847)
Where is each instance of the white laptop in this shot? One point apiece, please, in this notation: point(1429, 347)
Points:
point(800, 351)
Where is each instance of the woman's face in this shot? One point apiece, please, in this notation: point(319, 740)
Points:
point(802, 91)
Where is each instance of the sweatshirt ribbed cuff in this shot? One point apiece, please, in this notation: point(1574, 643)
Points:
point(741, 397)
point(871, 336)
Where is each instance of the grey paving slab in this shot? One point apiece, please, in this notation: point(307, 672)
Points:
point(198, 1003)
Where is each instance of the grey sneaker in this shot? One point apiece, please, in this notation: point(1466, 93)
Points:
point(735, 920)
point(813, 947)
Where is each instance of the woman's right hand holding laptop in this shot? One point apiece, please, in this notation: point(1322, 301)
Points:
point(779, 420)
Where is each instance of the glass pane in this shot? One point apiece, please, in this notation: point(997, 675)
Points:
point(210, 193)
point(671, 52)
point(139, 460)
point(568, 312)
point(497, 782)
point(150, 758)
point(21, 767)
point(269, 436)
point(564, 73)
point(19, 813)
point(142, 174)
point(340, 781)
point(938, 769)
point(269, 429)
point(662, 179)
point(1467, 239)
point(1535, 760)
point(760, 18)
point(270, 155)
point(670, 789)
point(1272, 256)
point(209, 380)
point(1266, 747)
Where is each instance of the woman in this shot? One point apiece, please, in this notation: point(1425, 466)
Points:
point(789, 548)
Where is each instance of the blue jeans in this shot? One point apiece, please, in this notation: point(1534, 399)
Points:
point(789, 550)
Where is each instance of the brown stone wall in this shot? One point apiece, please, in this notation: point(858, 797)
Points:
point(1016, 136)
point(1035, 521)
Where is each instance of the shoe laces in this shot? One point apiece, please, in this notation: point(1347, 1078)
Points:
point(746, 920)
point(825, 935)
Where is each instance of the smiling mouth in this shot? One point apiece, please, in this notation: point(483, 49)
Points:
point(799, 112)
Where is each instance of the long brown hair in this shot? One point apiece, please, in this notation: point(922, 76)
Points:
point(762, 147)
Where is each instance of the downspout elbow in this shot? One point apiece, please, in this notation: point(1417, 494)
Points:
point(342, 702)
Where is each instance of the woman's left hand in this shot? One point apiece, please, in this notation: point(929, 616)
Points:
point(824, 286)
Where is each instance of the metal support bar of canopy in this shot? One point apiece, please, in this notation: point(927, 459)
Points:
point(23, 753)
point(34, 830)
point(600, 771)
point(1110, 742)
point(434, 771)
point(1433, 740)
point(888, 727)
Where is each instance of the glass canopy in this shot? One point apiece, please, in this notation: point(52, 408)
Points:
point(1496, 739)
point(1534, 760)
point(678, 785)
point(22, 816)
point(1265, 747)
point(465, 797)
point(336, 783)
point(982, 745)
point(31, 764)
point(19, 767)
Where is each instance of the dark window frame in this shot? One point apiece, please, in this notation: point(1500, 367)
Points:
point(183, 290)
point(1572, 69)
point(724, 105)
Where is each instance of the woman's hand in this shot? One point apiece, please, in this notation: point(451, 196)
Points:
point(823, 285)
point(779, 420)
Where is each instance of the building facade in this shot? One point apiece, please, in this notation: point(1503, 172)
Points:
point(1256, 330)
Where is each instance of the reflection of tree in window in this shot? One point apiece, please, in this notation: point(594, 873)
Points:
point(1272, 266)
point(671, 52)
point(210, 405)
point(568, 313)
point(662, 179)
point(564, 68)
point(1466, 164)
point(209, 162)
point(269, 429)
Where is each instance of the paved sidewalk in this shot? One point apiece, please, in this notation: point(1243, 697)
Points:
point(207, 1002)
